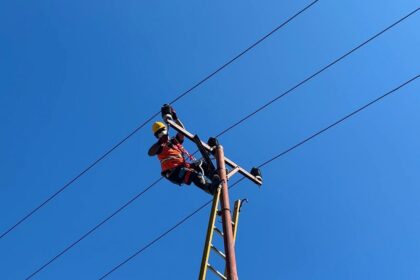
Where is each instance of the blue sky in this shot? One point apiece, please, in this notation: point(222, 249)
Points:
point(77, 76)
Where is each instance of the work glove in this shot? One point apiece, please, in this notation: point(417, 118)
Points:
point(166, 111)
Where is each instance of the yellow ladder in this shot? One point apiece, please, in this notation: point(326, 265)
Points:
point(208, 246)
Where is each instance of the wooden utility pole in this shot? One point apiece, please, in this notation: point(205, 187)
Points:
point(231, 270)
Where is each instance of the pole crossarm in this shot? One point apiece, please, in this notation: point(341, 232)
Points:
point(256, 179)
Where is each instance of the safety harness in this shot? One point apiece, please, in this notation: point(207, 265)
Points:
point(184, 160)
point(185, 154)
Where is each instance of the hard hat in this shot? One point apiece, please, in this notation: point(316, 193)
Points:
point(157, 126)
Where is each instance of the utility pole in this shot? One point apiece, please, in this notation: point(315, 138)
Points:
point(231, 270)
point(222, 194)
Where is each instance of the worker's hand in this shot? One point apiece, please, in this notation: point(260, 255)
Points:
point(163, 139)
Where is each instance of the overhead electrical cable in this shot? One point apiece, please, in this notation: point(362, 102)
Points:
point(338, 121)
point(93, 229)
point(263, 164)
point(163, 234)
point(318, 72)
point(94, 163)
point(223, 132)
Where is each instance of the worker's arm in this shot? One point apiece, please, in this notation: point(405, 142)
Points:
point(179, 136)
point(158, 146)
point(155, 149)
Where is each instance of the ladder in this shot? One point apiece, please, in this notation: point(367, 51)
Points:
point(208, 246)
point(230, 225)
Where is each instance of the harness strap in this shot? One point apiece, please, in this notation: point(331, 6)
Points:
point(184, 152)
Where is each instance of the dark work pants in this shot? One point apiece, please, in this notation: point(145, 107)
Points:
point(185, 175)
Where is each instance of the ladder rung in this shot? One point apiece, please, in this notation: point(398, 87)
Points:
point(218, 251)
point(218, 231)
point(216, 272)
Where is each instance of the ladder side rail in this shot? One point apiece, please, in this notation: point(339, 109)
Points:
point(209, 236)
point(235, 220)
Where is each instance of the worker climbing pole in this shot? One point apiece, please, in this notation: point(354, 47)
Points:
point(177, 164)
point(179, 167)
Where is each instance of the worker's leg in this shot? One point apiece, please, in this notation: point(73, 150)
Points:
point(176, 175)
point(183, 175)
point(200, 181)
point(202, 167)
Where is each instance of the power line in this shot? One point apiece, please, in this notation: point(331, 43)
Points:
point(223, 132)
point(151, 118)
point(95, 228)
point(164, 234)
point(156, 239)
point(319, 72)
point(338, 122)
point(76, 178)
point(263, 164)
point(248, 49)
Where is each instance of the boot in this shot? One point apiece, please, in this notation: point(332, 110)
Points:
point(215, 183)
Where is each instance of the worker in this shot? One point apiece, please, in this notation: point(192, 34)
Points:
point(174, 159)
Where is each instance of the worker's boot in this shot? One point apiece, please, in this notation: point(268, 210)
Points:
point(215, 184)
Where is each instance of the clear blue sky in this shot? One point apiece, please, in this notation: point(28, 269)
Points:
point(77, 76)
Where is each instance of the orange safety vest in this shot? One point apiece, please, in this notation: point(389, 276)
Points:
point(171, 156)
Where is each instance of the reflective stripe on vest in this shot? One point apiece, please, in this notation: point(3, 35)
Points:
point(170, 157)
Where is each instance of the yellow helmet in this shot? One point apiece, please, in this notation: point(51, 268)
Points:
point(157, 126)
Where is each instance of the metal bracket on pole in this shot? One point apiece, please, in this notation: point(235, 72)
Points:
point(233, 172)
